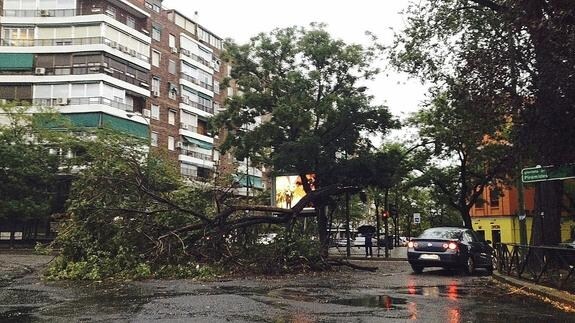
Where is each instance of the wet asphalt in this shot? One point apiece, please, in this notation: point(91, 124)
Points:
point(391, 294)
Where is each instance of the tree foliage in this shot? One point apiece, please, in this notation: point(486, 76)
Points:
point(511, 60)
point(27, 170)
point(304, 88)
point(301, 107)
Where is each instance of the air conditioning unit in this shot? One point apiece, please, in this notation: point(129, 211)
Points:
point(146, 113)
point(174, 50)
point(186, 99)
point(96, 10)
point(94, 69)
point(156, 93)
point(185, 126)
point(109, 70)
point(179, 144)
point(144, 84)
point(114, 44)
point(133, 52)
point(45, 13)
point(40, 71)
point(61, 101)
point(104, 64)
point(185, 52)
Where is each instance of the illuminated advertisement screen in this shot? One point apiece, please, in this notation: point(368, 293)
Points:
point(289, 190)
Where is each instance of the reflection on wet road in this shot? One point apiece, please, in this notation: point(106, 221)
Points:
point(392, 293)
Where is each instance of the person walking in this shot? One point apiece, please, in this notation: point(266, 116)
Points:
point(368, 244)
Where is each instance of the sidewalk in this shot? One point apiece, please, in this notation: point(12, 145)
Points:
point(358, 253)
point(542, 291)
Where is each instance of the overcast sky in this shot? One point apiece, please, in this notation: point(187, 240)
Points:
point(347, 20)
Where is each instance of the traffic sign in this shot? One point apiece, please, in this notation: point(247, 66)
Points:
point(416, 218)
point(547, 173)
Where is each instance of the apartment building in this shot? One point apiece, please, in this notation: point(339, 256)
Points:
point(89, 59)
point(130, 65)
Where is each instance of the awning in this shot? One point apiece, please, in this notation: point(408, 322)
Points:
point(16, 61)
point(102, 120)
point(199, 143)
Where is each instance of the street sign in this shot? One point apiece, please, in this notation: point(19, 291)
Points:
point(547, 173)
point(416, 218)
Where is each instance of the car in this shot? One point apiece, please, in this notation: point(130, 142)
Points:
point(568, 244)
point(450, 247)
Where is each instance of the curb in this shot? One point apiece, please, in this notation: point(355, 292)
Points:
point(551, 293)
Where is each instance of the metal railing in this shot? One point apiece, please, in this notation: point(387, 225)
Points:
point(46, 102)
point(186, 100)
point(195, 57)
point(197, 82)
point(22, 13)
point(195, 154)
point(546, 265)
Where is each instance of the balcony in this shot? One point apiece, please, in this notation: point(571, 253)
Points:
point(50, 102)
point(186, 100)
point(59, 13)
point(197, 82)
point(196, 58)
point(100, 68)
point(72, 42)
point(191, 153)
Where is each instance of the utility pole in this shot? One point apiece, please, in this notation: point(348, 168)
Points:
point(385, 222)
point(522, 215)
point(347, 219)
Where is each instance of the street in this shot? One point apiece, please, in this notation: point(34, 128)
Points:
point(392, 293)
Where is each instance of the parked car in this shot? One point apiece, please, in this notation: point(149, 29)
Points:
point(450, 247)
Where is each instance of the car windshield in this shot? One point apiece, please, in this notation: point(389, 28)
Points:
point(441, 233)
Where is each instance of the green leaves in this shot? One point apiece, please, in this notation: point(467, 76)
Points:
point(301, 107)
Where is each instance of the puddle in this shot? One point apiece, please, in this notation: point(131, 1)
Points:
point(16, 315)
point(379, 301)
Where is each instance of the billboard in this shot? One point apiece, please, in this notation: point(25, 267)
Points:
point(288, 190)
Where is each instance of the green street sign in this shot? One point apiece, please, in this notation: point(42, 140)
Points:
point(547, 173)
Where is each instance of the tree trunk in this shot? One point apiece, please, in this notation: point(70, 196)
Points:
point(547, 221)
point(466, 217)
point(322, 230)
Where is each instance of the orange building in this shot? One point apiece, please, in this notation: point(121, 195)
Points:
point(495, 215)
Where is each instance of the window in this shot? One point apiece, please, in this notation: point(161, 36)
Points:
point(171, 67)
point(156, 58)
point(494, 197)
point(172, 41)
point(154, 139)
point(479, 203)
point(131, 22)
point(216, 87)
point(156, 33)
point(155, 112)
point(156, 86)
point(172, 117)
point(171, 145)
point(188, 170)
point(111, 11)
point(172, 91)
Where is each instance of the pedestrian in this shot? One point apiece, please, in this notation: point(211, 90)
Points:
point(368, 244)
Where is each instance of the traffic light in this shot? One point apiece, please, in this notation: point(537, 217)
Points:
point(385, 214)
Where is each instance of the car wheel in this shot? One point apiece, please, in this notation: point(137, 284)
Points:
point(417, 269)
point(469, 266)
